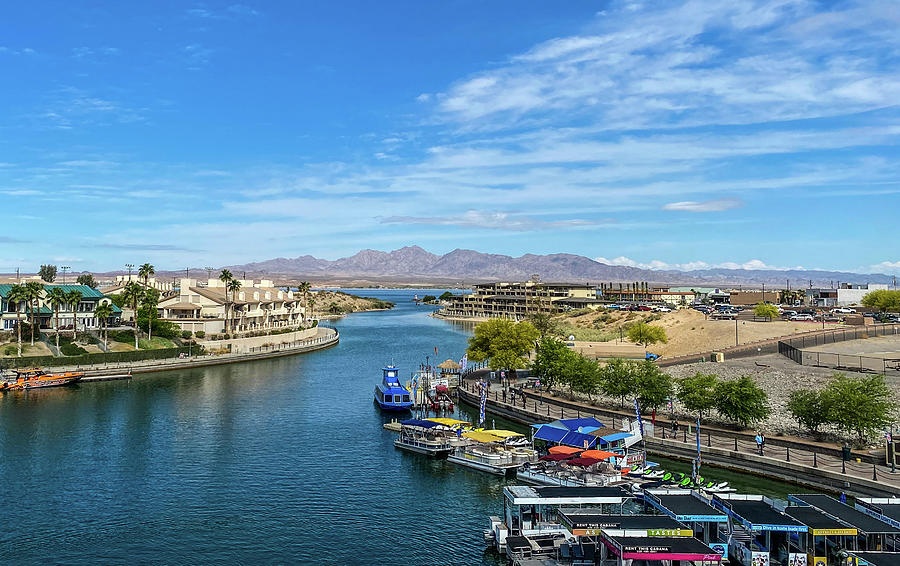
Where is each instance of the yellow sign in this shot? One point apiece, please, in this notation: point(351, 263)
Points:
point(586, 532)
point(670, 533)
point(820, 561)
point(828, 532)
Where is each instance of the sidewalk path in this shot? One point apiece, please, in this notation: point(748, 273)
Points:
point(799, 457)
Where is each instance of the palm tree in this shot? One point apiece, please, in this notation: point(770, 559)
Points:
point(73, 299)
point(304, 288)
point(103, 312)
point(33, 290)
point(234, 286)
point(225, 277)
point(144, 272)
point(17, 296)
point(57, 298)
point(150, 300)
point(133, 293)
point(312, 305)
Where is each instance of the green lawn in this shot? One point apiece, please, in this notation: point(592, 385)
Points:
point(156, 343)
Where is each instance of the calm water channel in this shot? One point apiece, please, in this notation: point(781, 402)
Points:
point(279, 461)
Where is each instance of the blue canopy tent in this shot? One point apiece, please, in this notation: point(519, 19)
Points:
point(565, 437)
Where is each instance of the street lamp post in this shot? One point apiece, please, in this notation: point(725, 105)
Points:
point(65, 268)
point(735, 331)
point(129, 266)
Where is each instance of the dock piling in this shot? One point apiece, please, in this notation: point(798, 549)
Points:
point(815, 460)
point(735, 444)
point(874, 472)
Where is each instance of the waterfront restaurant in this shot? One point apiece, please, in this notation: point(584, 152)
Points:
point(613, 539)
point(826, 535)
point(874, 534)
point(768, 536)
point(529, 510)
point(710, 525)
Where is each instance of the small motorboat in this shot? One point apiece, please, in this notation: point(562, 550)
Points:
point(389, 394)
point(38, 378)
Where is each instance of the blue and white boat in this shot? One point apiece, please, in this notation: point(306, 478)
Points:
point(389, 394)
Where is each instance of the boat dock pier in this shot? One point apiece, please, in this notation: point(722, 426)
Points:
point(106, 376)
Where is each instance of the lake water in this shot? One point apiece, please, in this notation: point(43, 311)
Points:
point(276, 461)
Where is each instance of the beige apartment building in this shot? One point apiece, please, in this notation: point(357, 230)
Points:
point(520, 300)
point(258, 305)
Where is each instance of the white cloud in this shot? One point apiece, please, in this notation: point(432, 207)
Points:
point(716, 205)
point(658, 265)
point(661, 66)
point(889, 267)
point(493, 220)
point(424, 97)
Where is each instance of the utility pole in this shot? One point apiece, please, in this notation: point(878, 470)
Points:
point(17, 275)
point(129, 266)
point(64, 269)
point(735, 331)
point(187, 272)
point(208, 272)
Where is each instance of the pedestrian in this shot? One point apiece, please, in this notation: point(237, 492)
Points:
point(759, 442)
point(675, 426)
point(763, 435)
point(504, 395)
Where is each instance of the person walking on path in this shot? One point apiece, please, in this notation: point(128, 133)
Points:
point(760, 440)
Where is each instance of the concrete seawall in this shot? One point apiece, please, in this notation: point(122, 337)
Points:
point(816, 476)
point(326, 338)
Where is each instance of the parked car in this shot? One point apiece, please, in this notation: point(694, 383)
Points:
point(644, 308)
point(801, 317)
point(869, 314)
point(614, 306)
point(788, 313)
point(663, 309)
point(842, 310)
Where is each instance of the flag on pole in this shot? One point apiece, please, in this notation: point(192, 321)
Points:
point(464, 362)
point(698, 448)
point(483, 403)
point(637, 414)
point(435, 350)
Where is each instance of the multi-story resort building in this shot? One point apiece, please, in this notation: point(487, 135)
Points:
point(203, 306)
point(520, 300)
point(80, 316)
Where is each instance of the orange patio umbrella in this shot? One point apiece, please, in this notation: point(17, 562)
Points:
point(598, 454)
point(564, 450)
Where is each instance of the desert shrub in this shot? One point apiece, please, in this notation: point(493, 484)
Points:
point(70, 349)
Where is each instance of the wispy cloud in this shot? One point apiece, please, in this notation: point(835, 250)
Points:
point(143, 247)
point(231, 11)
point(716, 205)
point(492, 220)
point(659, 265)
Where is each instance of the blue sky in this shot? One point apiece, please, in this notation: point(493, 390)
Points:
point(667, 134)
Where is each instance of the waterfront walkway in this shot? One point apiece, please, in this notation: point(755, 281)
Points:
point(324, 338)
point(813, 464)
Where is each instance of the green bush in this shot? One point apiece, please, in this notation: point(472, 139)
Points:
point(70, 349)
point(11, 350)
point(125, 336)
point(186, 334)
point(200, 334)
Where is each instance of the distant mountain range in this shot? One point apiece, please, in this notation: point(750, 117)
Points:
point(414, 264)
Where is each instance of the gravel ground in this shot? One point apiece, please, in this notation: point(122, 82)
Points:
point(778, 376)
